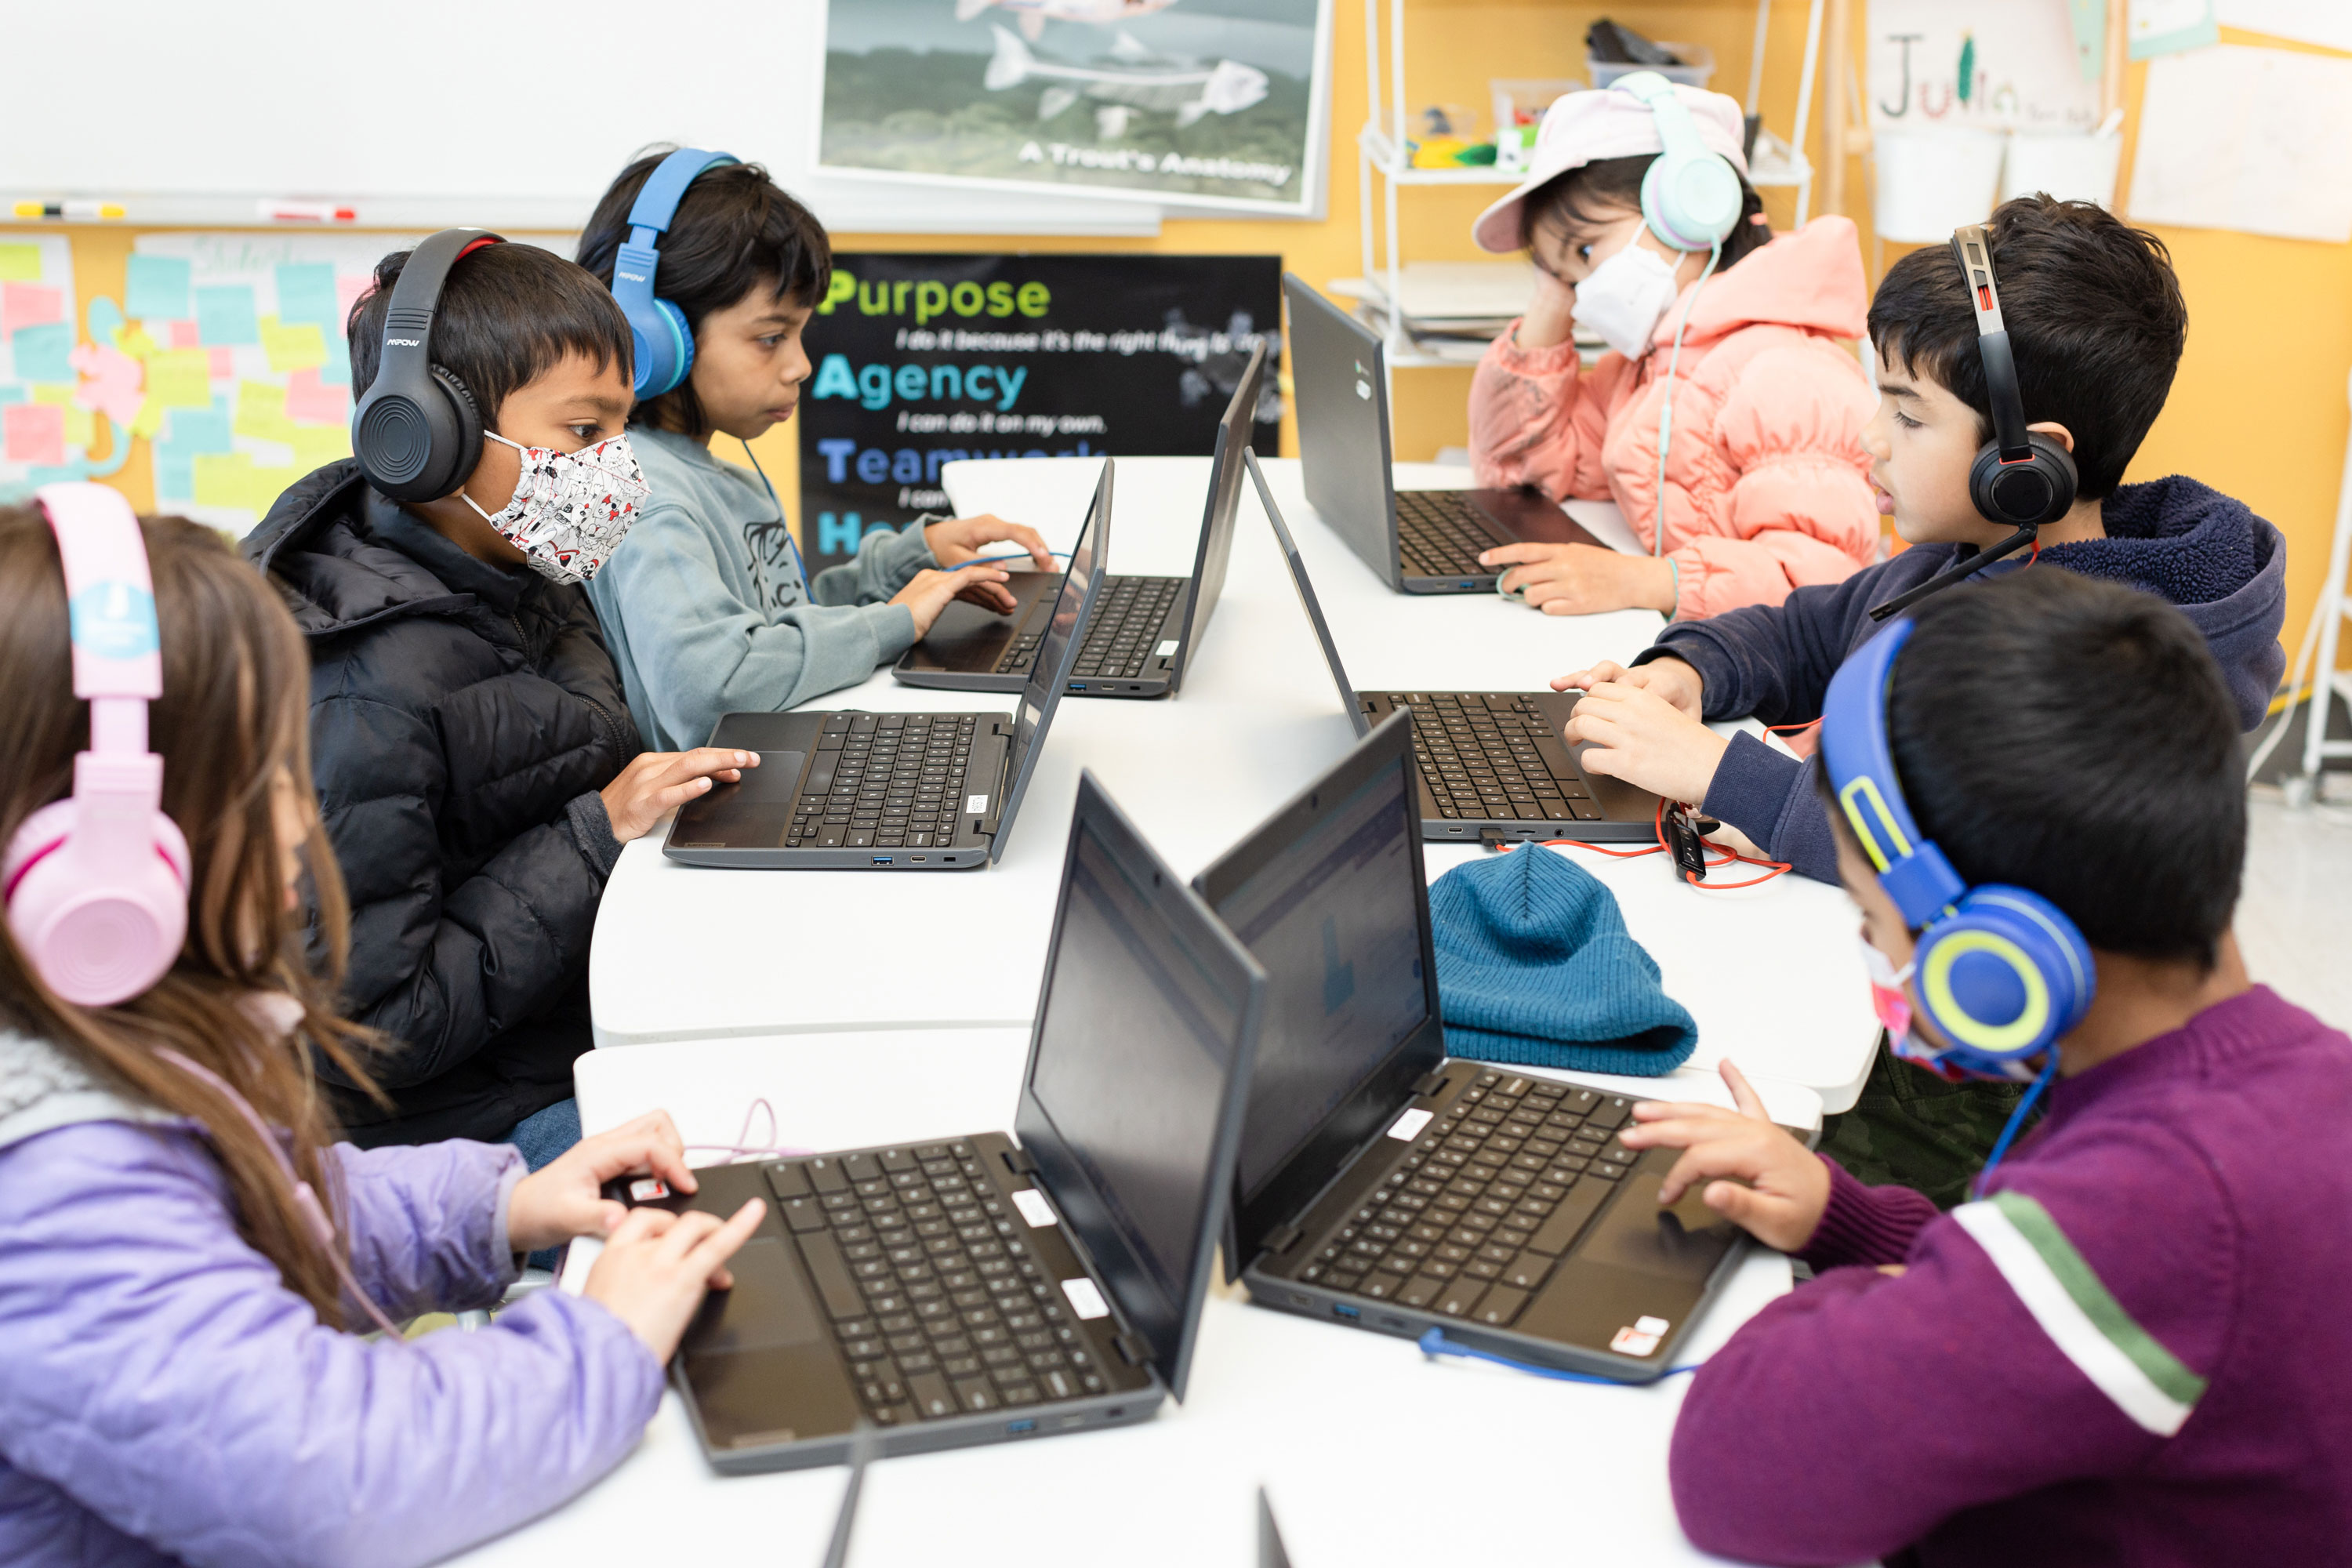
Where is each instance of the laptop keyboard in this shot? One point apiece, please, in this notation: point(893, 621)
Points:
point(1471, 1222)
point(937, 1304)
point(885, 780)
point(1120, 638)
point(1479, 757)
point(1438, 535)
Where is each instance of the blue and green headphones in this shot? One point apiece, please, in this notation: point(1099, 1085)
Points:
point(2000, 971)
point(665, 344)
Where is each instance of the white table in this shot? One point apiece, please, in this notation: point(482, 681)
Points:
point(1325, 1418)
point(681, 952)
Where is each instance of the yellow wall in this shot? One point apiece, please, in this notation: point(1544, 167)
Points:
point(2259, 410)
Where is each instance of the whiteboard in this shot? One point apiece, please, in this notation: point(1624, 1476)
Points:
point(423, 113)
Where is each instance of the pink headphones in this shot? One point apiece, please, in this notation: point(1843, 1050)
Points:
point(97, 884)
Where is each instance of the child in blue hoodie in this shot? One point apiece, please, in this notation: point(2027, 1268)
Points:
point(2096, 323)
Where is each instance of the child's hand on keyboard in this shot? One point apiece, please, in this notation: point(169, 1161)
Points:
point(1581, 579)
point(1639, 736)
point(927, 593)
point(1786, 1186)
point(1670, 677)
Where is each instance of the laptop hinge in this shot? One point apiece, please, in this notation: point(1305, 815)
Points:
point(1429, 1083)
point(1132, 1351)
point(1283, 1240)
point(1018, 1162)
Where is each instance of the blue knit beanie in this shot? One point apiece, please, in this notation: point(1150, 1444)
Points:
point(1534, 968)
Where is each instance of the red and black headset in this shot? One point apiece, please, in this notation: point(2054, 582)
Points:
point(2020, 477)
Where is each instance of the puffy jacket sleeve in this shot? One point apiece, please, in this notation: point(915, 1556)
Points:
point(427, 1223)
point(441, 969)
point(1538, 418)
point(701, 648)
point(163, 1377)
point(2061, 1331)
point(1799, 509)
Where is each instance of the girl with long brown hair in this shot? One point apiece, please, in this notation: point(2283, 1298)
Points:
point(183, 1245)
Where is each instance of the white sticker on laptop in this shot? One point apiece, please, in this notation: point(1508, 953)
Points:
point(1033, 1208)
point(1639, 1338)
point(1085, 1299)
point(645, 1189)
point(1408, 1126)
point(975, 805)
point(1168, 648)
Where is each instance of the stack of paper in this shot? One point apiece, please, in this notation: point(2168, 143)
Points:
point(1451, 309)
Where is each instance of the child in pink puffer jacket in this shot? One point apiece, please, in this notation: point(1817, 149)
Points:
point(1766, 486)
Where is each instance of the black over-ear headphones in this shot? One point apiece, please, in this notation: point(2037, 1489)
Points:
point(2020, 477)
point(418, 433)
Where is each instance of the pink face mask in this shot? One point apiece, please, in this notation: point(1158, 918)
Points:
point(1887, 997)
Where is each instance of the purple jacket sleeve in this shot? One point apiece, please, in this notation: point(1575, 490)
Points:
point(428, 1223)
point(162, 1378)
point(1865, 1224)
point(1854, 1415)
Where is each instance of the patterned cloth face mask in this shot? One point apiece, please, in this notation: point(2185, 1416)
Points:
point(570, 510)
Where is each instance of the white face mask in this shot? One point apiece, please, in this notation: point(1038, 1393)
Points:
point(1625, 297)
point(569, 509)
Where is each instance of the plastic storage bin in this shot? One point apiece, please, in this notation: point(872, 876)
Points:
point(1699, 66)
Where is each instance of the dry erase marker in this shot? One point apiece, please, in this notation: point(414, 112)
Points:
point(308, 212)
point(87, 210)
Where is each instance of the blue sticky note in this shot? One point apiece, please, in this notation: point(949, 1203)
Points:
point(11, 392)
point(175, 475)
point(306, 292)
point(105, 319)
point(71, 473)
point(225, 315)
point(337, 371)
point(44, 352)
point(188, 431)
point(157, 289)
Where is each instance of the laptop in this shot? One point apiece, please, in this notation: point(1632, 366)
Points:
point(1383, 1186)
point(897, 791)
point(1417, 541)
point(1146, 628)
point(1492, 764)
point(981, 1288)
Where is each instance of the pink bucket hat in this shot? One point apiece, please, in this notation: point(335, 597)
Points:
point(1582, 128)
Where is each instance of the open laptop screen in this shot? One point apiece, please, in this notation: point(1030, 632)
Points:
point(1142, 1031)
point(1334, 918)
point(1055, 652)
point(1225, 501)
point(1343, 425)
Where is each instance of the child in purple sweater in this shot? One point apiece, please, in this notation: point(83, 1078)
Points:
point(2130, 1347)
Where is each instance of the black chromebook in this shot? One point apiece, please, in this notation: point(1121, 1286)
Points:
point(981, 1288)
point(1492, 764)
point(1417, 541)
point(898, 792)
point(1379, 1183)
point(1147, 628)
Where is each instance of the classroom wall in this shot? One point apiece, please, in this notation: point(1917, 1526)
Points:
point(2259, 409)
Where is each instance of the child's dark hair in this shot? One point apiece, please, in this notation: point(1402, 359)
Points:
point(2095, 320)
point(736, 230)
point(2075, 738)
point(1604, 191)
point(508, 315)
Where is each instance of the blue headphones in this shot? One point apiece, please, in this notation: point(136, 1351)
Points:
point(665, 345)
point(2000, 971)
point(1690, 196)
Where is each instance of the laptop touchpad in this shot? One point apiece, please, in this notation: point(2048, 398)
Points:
point(773, 782)
point(769, 1307)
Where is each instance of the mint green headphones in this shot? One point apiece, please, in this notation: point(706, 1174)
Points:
point(1691, 195)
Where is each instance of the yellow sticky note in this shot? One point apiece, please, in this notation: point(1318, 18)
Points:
point(233, 479)
point(181, 378)
point(316, 445)
point(297, 345)
point(20, 264)
point(134, 341)
point(261, 411)
point(57, 393)
point(81, 429)
point(149, 419)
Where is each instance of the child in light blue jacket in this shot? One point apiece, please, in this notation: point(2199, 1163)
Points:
point(709, 611)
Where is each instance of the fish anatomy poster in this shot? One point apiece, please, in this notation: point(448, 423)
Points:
point(1215, 103)
point(926, 360)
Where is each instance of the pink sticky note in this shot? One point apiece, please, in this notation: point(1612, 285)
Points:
point(112, 382)
point(36, 433)
point(29, 305)
point(308, 401)
point(224, 362)
point(348, 289)
point(184, 334)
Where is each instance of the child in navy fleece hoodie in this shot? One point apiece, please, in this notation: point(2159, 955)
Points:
point(2131, 1348)
point(2096, 323)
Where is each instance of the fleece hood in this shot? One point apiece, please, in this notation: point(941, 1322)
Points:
point(1810, 278)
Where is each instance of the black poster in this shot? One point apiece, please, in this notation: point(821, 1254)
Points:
point(925, 360)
